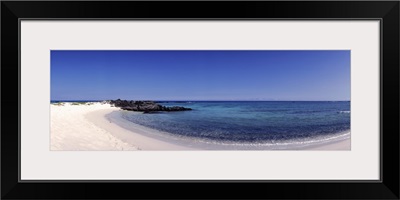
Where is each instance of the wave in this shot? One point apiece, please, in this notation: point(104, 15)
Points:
point(280, 144)
point(215, 144)
point(345, 111)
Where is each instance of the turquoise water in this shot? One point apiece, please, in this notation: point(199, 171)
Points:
point(250, 121)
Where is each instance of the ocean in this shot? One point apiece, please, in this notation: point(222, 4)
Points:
point(250, 121)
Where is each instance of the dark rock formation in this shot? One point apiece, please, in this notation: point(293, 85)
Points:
point(144, 106)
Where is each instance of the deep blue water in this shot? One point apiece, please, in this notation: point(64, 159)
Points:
point(251, 121)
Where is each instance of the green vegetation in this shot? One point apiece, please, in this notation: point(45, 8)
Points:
point(79, 103)
point(72, 103)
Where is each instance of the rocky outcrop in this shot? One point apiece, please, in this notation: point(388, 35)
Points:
point(144, 106)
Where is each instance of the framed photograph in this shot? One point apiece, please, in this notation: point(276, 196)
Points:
point(226, 96)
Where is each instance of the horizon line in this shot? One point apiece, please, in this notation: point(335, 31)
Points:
point(189, 100)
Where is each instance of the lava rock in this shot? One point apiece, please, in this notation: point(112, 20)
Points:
point(144, 106)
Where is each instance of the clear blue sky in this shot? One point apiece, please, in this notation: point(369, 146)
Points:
point(200, 75)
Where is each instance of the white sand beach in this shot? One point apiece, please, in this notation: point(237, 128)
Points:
point(339, 145)
point(85, 127)
point(70, 130)
point(99, 127)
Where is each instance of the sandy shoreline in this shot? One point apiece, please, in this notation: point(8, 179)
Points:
point(71, 131)
point(339, 145)
point(100, 127)
point(142, 142)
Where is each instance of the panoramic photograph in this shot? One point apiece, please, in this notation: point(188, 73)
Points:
point(174, 100)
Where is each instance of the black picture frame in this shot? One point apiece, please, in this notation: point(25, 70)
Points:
point(386, 11)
